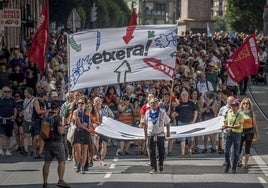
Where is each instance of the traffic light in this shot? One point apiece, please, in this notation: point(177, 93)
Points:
point(93, 13)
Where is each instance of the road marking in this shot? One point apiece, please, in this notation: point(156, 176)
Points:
point(101, 183)
point(112, 166)
point(108, 175)
point(262, 180)
point(262, 165)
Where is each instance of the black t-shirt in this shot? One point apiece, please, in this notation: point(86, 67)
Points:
point(7, 106)
point(186, 111)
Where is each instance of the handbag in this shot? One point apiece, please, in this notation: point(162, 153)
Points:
point(70, 133)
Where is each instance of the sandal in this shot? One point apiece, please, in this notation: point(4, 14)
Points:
point(102, 163)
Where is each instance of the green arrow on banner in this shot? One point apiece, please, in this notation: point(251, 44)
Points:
point(74, 45)
point(122, 71)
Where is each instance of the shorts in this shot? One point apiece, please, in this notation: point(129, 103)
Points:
point(54, 149)
point(191, 138)
point(81, 137)
point(36, 126)
point(7, 129)
point(27, 127)
point(103, 138)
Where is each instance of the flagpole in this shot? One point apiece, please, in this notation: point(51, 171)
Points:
point(68, 63)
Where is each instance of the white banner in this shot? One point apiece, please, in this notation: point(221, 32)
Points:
point(115, 129)
point(118, 55)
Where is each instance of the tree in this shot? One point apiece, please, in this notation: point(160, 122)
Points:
point(219, 23)
point(245, 15)
point(110, 13)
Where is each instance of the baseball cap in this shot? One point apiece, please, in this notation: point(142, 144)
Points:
point(236, 102)
point(53, 94)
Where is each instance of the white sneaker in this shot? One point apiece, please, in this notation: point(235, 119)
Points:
point(1, 152)
point(8, 153)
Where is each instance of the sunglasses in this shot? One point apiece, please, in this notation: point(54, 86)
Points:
point(81, 103)
point(152, 103)
point(246, 103)
point(17, 96)
point(6, 91)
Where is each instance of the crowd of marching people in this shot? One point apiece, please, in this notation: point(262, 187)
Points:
point(200, 91)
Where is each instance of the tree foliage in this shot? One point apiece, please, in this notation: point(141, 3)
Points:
point(219, 23)
point(110, 13)
point(245, 15)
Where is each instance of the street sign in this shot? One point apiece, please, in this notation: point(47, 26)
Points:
point(10, 17)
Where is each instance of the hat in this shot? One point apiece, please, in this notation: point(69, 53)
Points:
point(55, 104)
point(236, 102)
point(53, 94)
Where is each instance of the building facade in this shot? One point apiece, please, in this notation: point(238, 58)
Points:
point(219, 7)
point(30, 11)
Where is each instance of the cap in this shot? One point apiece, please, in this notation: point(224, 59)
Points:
point(53, 94)
point(236, 102)
point(55, 104)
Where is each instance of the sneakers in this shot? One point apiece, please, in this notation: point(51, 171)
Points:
point(7, 153)
point(226, 170)
point(221, 151)
point(24, 152)
point(62, 183)
point(69, 158)
point(161, 169)
point(1, 152)
point(45, 185)
point(78, 169)
point(153, 171)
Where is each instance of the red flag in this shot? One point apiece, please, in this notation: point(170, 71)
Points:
point(244, 61)
point(133, 18)
point(39, 41)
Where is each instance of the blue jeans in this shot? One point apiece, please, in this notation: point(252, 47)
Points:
point(233, 139)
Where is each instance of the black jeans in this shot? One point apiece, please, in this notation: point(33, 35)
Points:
point(160, 143)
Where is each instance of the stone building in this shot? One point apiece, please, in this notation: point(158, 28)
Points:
point(30, 11)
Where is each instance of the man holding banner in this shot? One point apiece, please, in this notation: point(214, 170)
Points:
point(154, 122)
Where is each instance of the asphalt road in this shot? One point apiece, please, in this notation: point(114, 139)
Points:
point(201, 170)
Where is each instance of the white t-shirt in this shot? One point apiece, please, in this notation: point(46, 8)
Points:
point(28, 109)
point(158, 128)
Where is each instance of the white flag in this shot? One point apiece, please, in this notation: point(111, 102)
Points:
point(118, 55)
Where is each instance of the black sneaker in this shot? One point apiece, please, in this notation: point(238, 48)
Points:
point(78, 169)
point(161, 169)
point(153, 171)
point(62, 183)
point(226, 170)
point(221, 151)
point(23, 152)
point(45, 185)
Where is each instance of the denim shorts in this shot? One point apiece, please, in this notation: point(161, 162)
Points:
point(36, 126)
point(54, 149)
point(27, 127)
point(184, 138)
